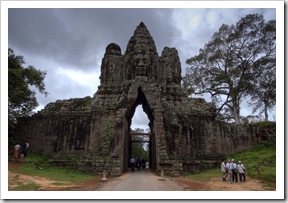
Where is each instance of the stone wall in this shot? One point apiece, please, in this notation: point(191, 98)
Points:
point(202, 144)
point(64, 133)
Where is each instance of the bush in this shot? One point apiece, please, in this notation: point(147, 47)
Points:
point(266, 124)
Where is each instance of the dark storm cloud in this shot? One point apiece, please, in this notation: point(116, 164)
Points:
point(72, 37)
point(75, 39)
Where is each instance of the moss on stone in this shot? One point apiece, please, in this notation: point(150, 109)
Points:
point(67, 105)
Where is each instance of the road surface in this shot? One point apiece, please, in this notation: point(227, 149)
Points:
point(139, 180)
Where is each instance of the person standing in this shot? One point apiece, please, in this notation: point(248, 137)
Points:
point(234, 171)
point(223, 170)
point(241, 170)
point(228, 171)
point(132, 162)
point(17, 149)
point(24, 147)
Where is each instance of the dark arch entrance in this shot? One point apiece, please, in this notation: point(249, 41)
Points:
point(142, 100)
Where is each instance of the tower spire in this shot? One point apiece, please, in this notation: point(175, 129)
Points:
point(141, 39)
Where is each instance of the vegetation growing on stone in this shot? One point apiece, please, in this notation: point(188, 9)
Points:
point(68, 105)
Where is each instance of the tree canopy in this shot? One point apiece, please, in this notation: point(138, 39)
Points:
point(21, 98)
point(139, 144)
point(233, 65)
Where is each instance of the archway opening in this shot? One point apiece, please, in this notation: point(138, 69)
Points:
point(141, 142)
point(140, 137)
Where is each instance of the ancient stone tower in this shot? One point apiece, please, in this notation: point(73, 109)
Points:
point(139, 76)
point(93, 134)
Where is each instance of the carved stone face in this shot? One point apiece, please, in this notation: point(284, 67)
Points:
point(142, 63)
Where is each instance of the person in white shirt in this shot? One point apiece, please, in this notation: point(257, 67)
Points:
point(241, 170)
point(223, 170)
point(17, 149)
point(229, 171)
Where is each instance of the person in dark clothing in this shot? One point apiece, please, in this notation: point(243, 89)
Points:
point(24, 147)
point(234, 171)
point(143, 163)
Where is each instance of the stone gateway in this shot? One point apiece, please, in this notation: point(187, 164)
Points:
point(93, 134)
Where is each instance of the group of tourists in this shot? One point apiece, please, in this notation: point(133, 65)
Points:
point(20, 150)
point(232, 170)
point(137, 162)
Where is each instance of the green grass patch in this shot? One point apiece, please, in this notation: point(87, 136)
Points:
point(25, 187)
point(38, 165)
point(259, 161)
point(53, 173)
point(205, 174)
point(58, 183)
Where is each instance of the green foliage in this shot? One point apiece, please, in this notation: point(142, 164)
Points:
point(139, 148)
point(267, 133)
point(233, 64)
point(266, 124)
point(21, 98)
point(108, 139)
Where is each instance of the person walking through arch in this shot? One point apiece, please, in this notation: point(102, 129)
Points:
point(132, 163)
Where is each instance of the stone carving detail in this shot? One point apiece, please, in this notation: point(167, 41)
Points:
point(111, 68)
point(171, 66)
point(184, 133)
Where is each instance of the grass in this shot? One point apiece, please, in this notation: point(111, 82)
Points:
point(259, 161)
point(38, 165)
point(25, 187)
point(205, 174)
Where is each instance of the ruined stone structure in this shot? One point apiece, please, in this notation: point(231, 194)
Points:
point(93, 134)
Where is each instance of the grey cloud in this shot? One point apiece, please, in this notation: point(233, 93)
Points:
point(73, 36)
point(140, 119)
point(76, 39)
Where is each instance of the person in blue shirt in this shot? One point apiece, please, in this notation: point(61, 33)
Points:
point(229, 171)
point(234, 171)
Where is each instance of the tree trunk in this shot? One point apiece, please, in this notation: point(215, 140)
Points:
point(236, 113)
point(266, 112)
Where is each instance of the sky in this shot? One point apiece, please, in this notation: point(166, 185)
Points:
point(69, 43)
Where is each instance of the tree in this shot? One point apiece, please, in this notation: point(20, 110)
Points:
point(224, 68)
point(138, 144)
point(21, 99)
point(263, 87)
